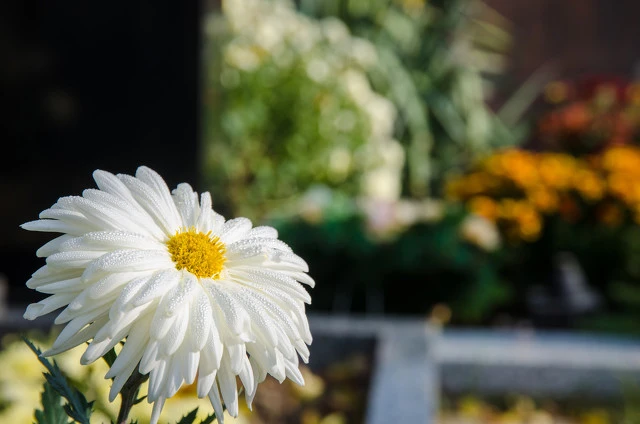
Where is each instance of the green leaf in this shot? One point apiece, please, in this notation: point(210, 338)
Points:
point(209, 419)
point(77, 407)
point(140, 399)
point(52, 411)
point(110, 357)
point(189, 418)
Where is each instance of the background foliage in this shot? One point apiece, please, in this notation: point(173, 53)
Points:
point(365, 131)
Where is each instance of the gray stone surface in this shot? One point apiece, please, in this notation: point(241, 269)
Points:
point(404, 385)
point(543, 363)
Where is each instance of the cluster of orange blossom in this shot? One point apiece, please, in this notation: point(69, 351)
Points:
point(518, 189)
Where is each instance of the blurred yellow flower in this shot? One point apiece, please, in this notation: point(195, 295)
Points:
point(556, 170)
point(519, 189)
point(588, 184)
point(484, 206)
point(621, 159)
point(544, 199)
point(596, 416)
point(529, 224)
point(515, 165)
point(471, 407)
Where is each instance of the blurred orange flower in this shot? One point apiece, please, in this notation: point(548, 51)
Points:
point(519, 189)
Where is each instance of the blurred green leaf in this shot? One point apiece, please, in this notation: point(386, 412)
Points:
point(77, 406)
point(52, 411)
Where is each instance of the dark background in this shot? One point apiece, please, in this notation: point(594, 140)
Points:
point(572, 38)
point(86, 85)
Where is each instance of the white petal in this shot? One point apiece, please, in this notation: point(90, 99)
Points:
point(166, 217)
point(52, 246)
point(172, 341)
point(109, 183)
point(260, 319)
point(205, 222)
point(111, 334)
point(158, 379)
point(73, 259)
point(149, 359)
point(79, 307)
point(156, 286)
point(186, 201)
point(87, 333)
point(211, 355)
point(237, 353)
point(236, 318)
point(159, 186)
point(228, 387)
point(234, 229)
point(191, 367)
point(76, 228)
point(71, 285)
point(47, 274)
point(127, 260)
point(287, 261)
point(265, 244)
point(133, 348)
point(112, 283)
point(263, 232)
point(157, 409)
point(200, 320)
point(216, 402)
point(47, 305)
point(112, 240)
point(293, 373)
point(247, 377)
point(186, 289)
point(103, 216)
point(301, 277)
point(143, 223)
point(205, 383)
point(73, 327)
point(253, 276)
point(126, 294)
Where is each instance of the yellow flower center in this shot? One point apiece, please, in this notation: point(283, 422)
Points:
point(198, 253)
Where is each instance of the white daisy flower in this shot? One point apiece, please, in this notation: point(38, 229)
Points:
point(194, 296)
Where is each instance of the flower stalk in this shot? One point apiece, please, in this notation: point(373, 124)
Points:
point(129, 394)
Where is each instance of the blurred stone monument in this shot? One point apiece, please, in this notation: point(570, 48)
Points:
point(568, 297)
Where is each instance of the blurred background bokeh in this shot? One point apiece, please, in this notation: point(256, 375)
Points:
point(471, 163)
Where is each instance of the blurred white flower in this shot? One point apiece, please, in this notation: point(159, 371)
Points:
point(357, 85)
point(330, 57)
point(339, 163)
point(383, 178)
point(382, 114)
point(430, 210)
point(195, 296)
point(335, 30)
point(381, 184)
point(268, 34)
point(364, 52)
point(480, 231)
point(345, 121)
point(317, 69)
point(241, 57)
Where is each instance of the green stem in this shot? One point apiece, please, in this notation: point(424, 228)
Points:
point(129, 394)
